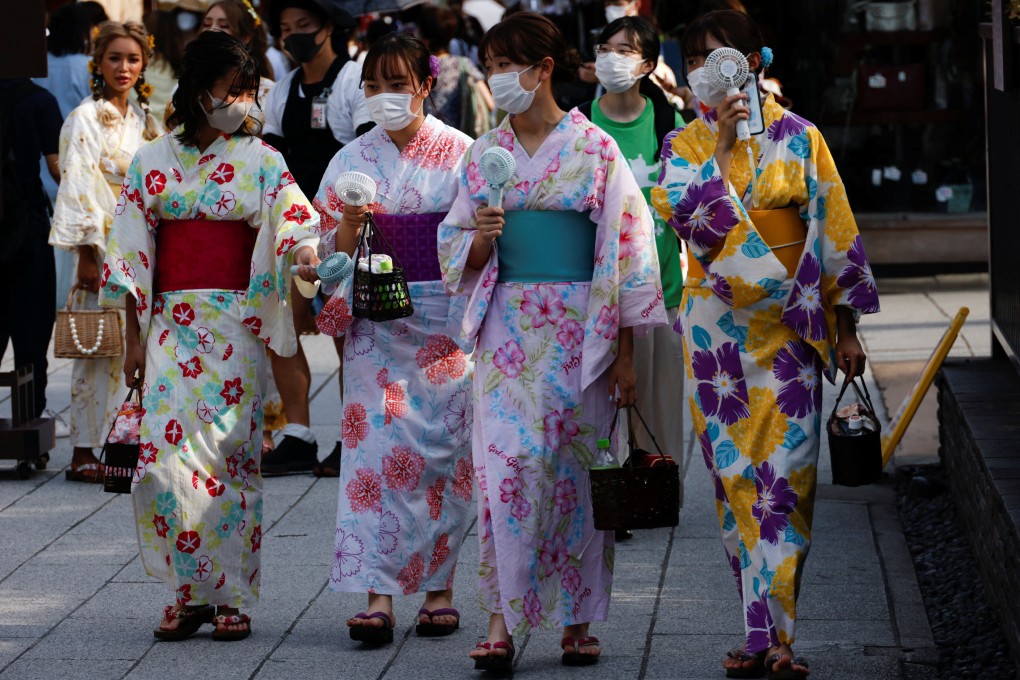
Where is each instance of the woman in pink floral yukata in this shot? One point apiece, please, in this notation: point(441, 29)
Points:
point(558, 278)
point(208, 224)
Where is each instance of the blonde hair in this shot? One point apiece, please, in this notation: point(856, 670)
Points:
point(106, 33)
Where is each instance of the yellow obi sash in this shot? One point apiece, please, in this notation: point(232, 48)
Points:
point(783, 231)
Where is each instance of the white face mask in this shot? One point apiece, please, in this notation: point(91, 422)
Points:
point(227, 117)
point(707, 93)
point(614, 12)
point(616, 72)
point(391, 111)
point(508, 92)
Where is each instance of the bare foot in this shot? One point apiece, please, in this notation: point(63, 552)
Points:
point(497, 633)
point(172, 622)
point(740, 659)
point(438, 599)
point(786, 660)
point(580, 632)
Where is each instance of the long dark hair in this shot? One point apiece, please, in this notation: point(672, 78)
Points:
point(209, 57)
point(169, 48)
point(642, 35)
point(243, 24)
point(731, 28)
point(69, 31)
point(527, 38)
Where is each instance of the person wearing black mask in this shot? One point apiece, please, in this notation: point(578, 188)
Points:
point(311, 113)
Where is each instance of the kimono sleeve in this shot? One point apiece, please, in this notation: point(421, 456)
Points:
point(335, 317)
point(709, 216)
point(79, 216)
point(130, 251)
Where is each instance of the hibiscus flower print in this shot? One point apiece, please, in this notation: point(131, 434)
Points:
point(520, 508)
point(805, 312)
point(365, 491)
point(571, 581)
point(608, 321)
point(721, 388)
point(533, 608)
point(761, 630)
point(510, 488)
point(475, 181)
point(776, 500)
point(505, 138)
point(598, 142)
point(632, 239)
point(789, 125)
point(509, 359)
point(410, 576)
point(403, 469)
point(705, 213)
point(354, 426)
point(566, 496)
point(552, 555)
point(347, 551)
point(543, 305)
point(570, 335)
point(560, 428)
point(441, 359)
point(857, 278)
point(798, 365)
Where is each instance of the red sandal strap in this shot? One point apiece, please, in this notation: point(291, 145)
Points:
point(232, 620)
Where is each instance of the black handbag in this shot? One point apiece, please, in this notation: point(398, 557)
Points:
point(119, 459)
point(856, 458)
point(383, 296)
point(643, 493)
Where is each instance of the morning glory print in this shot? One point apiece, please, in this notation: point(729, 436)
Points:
point(758, 340)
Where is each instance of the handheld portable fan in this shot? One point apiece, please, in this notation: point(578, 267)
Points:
point(334, 269)
point(355, 188)
point(727, 69)
point(497, 166)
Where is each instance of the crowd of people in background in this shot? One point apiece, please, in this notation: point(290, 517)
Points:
point(189, 161)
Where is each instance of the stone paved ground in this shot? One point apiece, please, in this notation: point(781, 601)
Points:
point(75, 602)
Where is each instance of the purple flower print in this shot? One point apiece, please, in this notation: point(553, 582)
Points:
point(570, 334)
point(761, 629)
point(520, 508)
point(566, 496)
point(571, 580)
point(804, 312)
point(543, 305)
point(721, 387)
point(776, 500)
point(510, 488)
point(789, 125)
point(797, 364)
point(532, 608)
point(721, 287)
point(509, 359)
point(734, 561)
point(857, 277)
point(553, 554)
point(560, 428)
point(346, 556)
point(706, 213)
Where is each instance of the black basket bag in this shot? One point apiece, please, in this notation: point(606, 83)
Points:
point(379, 297)
point(119, 461)
point(644, 493)
point(856, 459)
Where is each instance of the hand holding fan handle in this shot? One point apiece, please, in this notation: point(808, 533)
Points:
point(728, 69)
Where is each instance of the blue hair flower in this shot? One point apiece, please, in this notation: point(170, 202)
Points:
point(766, 57)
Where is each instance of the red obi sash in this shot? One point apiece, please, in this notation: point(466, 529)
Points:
point(203, 254)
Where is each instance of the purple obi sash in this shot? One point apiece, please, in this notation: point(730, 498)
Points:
point(414, 242)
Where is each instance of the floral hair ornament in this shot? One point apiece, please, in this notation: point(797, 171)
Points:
point(254, 15)
point(766, 57)
point(95, 32)
point(434, 66)
point(152, 42)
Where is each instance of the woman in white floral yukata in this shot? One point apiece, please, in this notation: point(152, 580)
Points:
point(208, 224)
point(405, 473)
point(558, 278)
point(776, 279)
point(97, 142)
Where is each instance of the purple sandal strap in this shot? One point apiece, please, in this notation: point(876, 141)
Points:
point(375, 615)
point(445, 611)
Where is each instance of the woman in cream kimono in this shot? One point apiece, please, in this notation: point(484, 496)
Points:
point(97, 142)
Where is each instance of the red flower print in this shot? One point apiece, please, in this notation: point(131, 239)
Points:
point(254, 324)
point(598, 142)
point(205, 159)
point(439, 554)
point(566, 496)
point(434, 496)
point(403, 469)
point(410, 576)
point(183, 592)
point(286, 179)
point(533, 608)
point(188, 541)
point(141, 305)
point(155, 182)
point(174, 433)
point(395, 406)
point(354, 427)
point(553, 554)
point(509, 359)
point(510, 488)
point(183, 314)
point(147, 453)
point(194, 479)
point(335, 317)
point(632, 240)
point(163, 336)
point(256, 538)
point(544, 305)
point(143, 259)
point(106, 275)
point(285, 246)
point(570, 334)
point(232, 391)
point(463, 476)
point(157, 306)
point(215, 487)
point(226, 202)
point(560, 428)
point(223, 173)
point(227, 352)
point(177, 174)
point(297, 213)
point(441, 359)
point(571, 581)
point(159, 522)
point(192, 368)
point(251, 579)
point(223, 579)
point(365, 491)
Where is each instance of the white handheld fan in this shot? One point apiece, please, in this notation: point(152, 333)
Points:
point(497, 166)
point(727, 69)
point(355, 188)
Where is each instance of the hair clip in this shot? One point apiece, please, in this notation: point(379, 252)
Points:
point(254, 15)
point(152, 42)
point(766, 57)
point(434, 66)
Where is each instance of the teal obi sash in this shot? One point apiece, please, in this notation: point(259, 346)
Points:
point(546, 246)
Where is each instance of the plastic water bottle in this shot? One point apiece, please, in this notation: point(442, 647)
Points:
point(855, 426)
point(604, 459)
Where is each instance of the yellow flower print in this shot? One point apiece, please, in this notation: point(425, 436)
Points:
point(742, 495)
point(786, 185)
point(786, 583)
point(152, 42)
point(803, 483)
point(760, 435)
point(660, 201)
point(766, 335)
point(145, 90)
point(698, 418)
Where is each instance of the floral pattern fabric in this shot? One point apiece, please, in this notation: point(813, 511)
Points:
point(197, 491)
point(540, 384)
point(757, 343)
point(405, 474)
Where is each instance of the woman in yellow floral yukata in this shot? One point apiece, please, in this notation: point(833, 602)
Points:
point(777, 279)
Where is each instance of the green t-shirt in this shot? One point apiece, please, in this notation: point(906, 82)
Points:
point(639, 146)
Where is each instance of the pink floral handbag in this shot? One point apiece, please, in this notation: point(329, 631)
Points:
point(120, 452)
